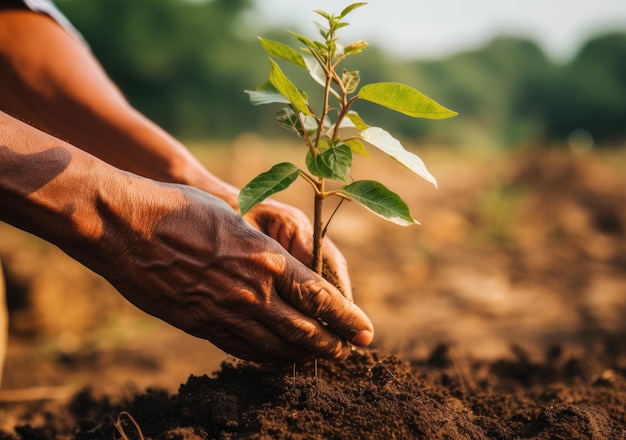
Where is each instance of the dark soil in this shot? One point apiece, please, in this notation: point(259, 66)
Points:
point(503, 319)
point(370, 395)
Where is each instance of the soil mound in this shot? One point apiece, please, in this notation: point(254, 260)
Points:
point(369, 395)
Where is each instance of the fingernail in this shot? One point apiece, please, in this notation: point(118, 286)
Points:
point(364, 338)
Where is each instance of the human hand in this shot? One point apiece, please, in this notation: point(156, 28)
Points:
point(203, 269)
point(292, 229)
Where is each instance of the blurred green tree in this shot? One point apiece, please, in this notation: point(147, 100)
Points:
point(185, 63)
point(593, 92)
point(484, 85)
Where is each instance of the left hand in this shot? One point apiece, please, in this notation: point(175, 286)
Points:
point(292, 229)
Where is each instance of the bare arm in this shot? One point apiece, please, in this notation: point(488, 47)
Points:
point(174, 251)
point(53, 82)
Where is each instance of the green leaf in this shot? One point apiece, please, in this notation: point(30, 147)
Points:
point(280, 50)
point(355, 48)
point(315, 70)
point(266, 93)
point(357, 121)
point(322, 30)
point(357, 147)
point(333, 163)
point(322, 48)
point(323, 13)
point(274, 180)
point(351, 8)
point(350, 80)
point(376, 198)
point(288, 89)
point(308, 43)
point(389, 145)
point(350, 127)
point(324, 144)
point(404, 99)
point(287, 118)
point(318, 74)
point(336, 49)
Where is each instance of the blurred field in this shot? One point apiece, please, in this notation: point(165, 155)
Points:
point(525, 249)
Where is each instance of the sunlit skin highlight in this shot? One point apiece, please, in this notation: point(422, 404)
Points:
point(82, 169)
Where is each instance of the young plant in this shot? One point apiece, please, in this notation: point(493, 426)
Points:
point(335, 132)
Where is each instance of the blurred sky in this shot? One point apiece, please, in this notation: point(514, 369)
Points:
point(433, 29)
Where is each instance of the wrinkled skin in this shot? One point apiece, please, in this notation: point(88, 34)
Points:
point(165, 231)
point(292, 229)
point(247, 295)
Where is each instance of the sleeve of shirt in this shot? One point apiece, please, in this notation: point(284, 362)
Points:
point(49, 8)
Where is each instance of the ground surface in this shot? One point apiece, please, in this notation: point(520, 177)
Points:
point(500, 317)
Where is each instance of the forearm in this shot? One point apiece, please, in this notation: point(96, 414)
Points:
point(61, 89)
point(70, 198)
point(52, 82)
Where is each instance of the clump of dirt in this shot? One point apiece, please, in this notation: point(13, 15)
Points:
point(369, 395)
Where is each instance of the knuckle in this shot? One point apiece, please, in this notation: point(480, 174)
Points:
point(304, 333)
point(318, 301)
point(317, 340)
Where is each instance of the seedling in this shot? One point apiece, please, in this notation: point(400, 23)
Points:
point(334, 133)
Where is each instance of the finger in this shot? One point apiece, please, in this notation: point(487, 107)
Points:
point(335, 267)
point(253, 341)
point(259, 343)
point(305, 332)
point(317, 298)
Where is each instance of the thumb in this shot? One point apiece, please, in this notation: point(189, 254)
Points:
point(316, 297)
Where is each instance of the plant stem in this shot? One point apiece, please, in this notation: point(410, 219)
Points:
point(318, 227)
point(317, 262)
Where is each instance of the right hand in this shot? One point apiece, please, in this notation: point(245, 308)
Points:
point(203, 269)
